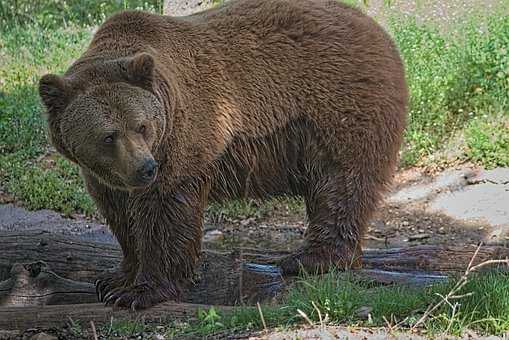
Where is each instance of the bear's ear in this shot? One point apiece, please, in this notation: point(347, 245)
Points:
point(53, 92)
point(140, 70)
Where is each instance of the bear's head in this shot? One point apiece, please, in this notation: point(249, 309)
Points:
point(108, 119)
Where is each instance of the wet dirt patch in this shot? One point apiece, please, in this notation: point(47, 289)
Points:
point(461, 206)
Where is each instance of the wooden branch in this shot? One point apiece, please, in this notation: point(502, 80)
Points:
point(20, 318)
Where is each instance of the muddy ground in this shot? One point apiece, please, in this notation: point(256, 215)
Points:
point(465, 205)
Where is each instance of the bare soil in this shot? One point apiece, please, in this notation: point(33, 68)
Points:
point(466, 205)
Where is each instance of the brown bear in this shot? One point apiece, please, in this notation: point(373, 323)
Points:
point(254, 98)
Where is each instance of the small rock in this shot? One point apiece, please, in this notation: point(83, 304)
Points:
point(495, 176)
point(377, 224)
point(364, 312)
point(441, 230)
point(247, 221)
point(405, 223)
point(418, 237)
point(213, 236)
point(159, 337)
point(43, 336)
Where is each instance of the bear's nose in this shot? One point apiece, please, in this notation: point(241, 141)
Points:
point(148, 170)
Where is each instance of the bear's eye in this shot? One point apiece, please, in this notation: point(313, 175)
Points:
point(108, 139)
point(142, 129)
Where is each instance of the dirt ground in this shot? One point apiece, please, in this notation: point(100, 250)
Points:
point(464, 205)
point(352, 333)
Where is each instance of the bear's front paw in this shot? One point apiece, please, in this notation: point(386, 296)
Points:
point(108, 282)
point(317, 260)
point(142, 295)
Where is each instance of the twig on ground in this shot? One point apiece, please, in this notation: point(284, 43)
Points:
point(261, 316)
point(319, 314)
point(301, 313)
point(454, 308)
point(94, 332)
point(389, 325)
point(452, 295)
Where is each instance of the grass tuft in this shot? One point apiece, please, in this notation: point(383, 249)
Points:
point(454, 82)
point(339, 299)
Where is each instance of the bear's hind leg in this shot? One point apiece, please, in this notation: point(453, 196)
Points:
point(339, 203)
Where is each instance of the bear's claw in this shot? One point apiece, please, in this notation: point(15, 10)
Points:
point(140, 296)
point(109, 282)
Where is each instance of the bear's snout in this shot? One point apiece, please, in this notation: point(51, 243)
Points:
point(147, 172)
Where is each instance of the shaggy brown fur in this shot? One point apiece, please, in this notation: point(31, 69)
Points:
point(255, 98)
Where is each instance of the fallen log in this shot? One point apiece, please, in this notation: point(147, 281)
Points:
point(248, 275)
point(39, 269)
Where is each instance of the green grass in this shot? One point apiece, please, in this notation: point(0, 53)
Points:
point(458, 82)
point(242, 209)
point(338, 299)
point(488, 141)
point(61, 13)
point(29, 52)
point(455, 81)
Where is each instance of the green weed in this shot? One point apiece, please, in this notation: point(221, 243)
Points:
point(488, 142)
point(452, 81)
point(340, 298)
point(62, 13)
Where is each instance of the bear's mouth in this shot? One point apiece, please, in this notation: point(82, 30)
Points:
point(133, 183)
point(141, 182)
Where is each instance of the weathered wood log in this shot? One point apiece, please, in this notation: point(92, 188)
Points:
point(34, 284)
point(418, 259)
point(222, 278)
point(20, 318)
point(65, 268)
point(219, 279)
